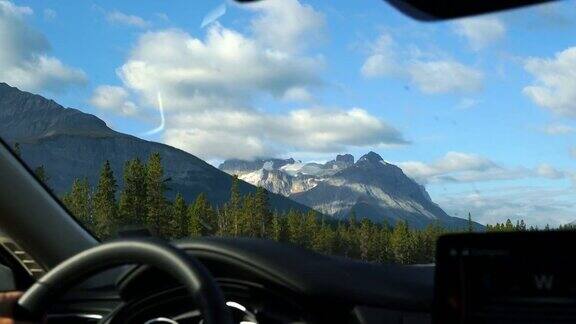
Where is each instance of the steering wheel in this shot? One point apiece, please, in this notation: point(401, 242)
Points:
point(183, 267)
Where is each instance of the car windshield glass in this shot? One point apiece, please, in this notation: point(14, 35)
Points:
point(343, 126)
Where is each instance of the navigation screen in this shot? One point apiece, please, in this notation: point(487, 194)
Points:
point(520, 277)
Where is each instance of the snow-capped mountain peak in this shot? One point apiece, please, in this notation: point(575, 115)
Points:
point(371, 187)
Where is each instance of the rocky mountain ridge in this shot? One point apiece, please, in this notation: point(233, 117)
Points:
point(369, 187)
point(72, 144)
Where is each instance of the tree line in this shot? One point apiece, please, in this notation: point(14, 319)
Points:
point(521, 226)
point(142, 203)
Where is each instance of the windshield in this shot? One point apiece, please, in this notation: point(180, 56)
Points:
point(340, 126)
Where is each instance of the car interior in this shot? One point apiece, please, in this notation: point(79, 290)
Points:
point(69, 276)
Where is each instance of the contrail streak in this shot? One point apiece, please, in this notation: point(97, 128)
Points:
point(162, 120)
point(213, 15)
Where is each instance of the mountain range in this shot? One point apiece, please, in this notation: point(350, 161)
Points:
point(369, 187)
point(72, 144)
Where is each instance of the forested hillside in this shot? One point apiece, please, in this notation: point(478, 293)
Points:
point(142, 204)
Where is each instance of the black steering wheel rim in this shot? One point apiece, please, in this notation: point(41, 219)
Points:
point(183, 267)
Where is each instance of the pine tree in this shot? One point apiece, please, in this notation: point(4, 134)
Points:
point(155, 201)
point(246, 220)
point(295, 228)
point(235, 206)
point(229, 220)
point(224, 219)
point(309, 228)
point(235, 197)
point(401, 242)
point(366, 238)
point(470, 227)
point(278, 230)
point(352, 219)
point(509, 227)
point(41, 174)
point(201, 217)
point(349, 237)
point(262, 212)
point(105, 203)
point(323, 241)
point(179, 220)
point(340, 246)
point(132, 208)
point(195, 228)
point(17, 149)
point(521, 225)
point(426, 248)
point(79, 202)
point(384, 252)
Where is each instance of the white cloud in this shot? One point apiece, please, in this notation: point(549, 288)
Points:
point(445, 76)
point(480, 32)
point(378, 65)
point(8, 8)
point(24, 59)
point(464, 167)
point(298, 94)
point(227, 67)
point(467, 103)
point(549, 172)
point(115, 99)
point(248, 134)
point(216, 144)
point(117, 17)
point(382, 60)
point(489, 203)
point(210, 86)
point(555, 82)
point(556, 14)
point(537, 206)
point(431, 74)
point(329, 130)
point(558, 129)
point(453, 167)
point(287, 25)
point(50, 14)
point(47, 73)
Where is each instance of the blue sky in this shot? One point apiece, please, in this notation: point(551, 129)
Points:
point(480, 110)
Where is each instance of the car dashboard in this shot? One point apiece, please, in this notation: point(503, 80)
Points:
point(263, 282)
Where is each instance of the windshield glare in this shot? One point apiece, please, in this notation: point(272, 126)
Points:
point(343, 127)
